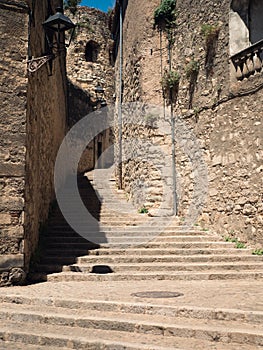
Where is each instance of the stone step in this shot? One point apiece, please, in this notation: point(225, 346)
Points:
point(48, 268)
point(146, 276)
point(136, 254)
point(108, 221)
point(58, 260)
point(69, 249)
point(59, 244)
point(4, 345)
point(134, 228)
point(111, 259)
point(167, 267)
point(160, 251)
point(147, 308)
point(64, 240)
point(224, 331)
point(77, 338)
point(106, 340)
point(68, 232)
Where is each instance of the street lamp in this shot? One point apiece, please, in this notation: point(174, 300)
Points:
point(99, 91)
point(55, 26)
point(58, 24)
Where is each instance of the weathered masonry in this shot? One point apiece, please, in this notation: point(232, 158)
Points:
point(33, 123)
point(217, 53)
point(90, 76)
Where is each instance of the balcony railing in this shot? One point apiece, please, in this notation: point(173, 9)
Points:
point(248, 61)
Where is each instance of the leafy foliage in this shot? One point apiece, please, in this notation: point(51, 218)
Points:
point(71, 5)
point(192, 68)
point(231, 239)
point(165, 15)
point(257, 252)
point(170, 84)
point(170, 79)
point(239, 245)
point(143, 210)
point(209, 31)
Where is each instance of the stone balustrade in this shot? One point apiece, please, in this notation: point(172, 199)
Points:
point(248, 61)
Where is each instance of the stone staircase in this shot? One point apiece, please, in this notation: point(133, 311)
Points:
point(138, 247)
point(36, 323)
point(94, 307)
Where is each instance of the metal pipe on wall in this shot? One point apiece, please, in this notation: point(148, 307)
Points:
point(120, 100)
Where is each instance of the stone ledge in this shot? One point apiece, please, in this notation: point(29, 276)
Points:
point(7, 262)
point(11, 203)
point(16, 170)
point(14, 5)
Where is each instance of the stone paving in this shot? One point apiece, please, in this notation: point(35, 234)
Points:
point(242, 295)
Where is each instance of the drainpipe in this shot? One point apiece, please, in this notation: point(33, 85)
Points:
point(174, 189)
point(120, 100)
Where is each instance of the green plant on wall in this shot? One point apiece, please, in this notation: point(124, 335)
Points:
point(170, 84)
point(71, 5)
point(192, 68)
point(210, 33)
point(192, 71)
point(143, 210)
point(257, 252)
point(165, 16)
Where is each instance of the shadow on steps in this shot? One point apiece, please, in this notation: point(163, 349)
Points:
point(59, 244)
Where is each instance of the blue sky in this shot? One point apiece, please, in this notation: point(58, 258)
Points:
point(100, 4)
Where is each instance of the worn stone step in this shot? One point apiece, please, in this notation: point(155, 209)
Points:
point(111, 258)
point(127, 233)
point(103, 220)
point(167, 326)
point(145, 276)
point(68, 256)
point(58, 260)
point(77, 338)
point(184, 245)
point(167, 267)
point(159, 251)
point(106, 340)
point(139, 229)
point(74, 240)
point(65, 240)
point(48, 268)
point(68, 250)
point(7, 345)
point(145, 308)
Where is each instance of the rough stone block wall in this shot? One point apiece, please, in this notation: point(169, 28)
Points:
point(223, 113)
point(13, 86)
point(46, 127)
point(86, 70)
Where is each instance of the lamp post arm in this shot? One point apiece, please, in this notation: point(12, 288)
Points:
point(35, 63)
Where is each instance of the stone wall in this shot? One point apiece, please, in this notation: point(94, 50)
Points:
point(89, 65)
point(33, 123)
point(46, 127)
point(13, 82)
point(222, 112)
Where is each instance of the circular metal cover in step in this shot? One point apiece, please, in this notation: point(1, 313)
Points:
point(157, 294)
